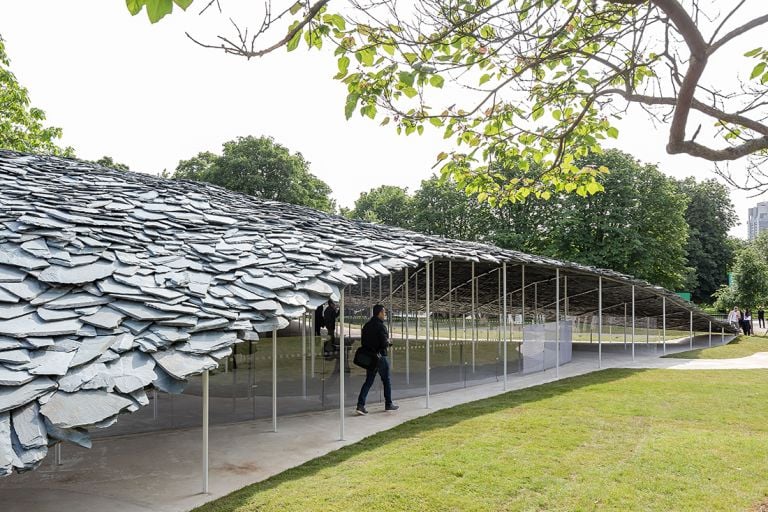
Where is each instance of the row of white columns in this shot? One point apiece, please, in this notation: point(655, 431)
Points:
point(429, 292)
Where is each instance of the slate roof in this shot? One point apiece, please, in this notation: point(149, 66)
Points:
point(112, 282)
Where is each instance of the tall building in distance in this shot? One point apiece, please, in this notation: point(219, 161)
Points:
point(757, 220)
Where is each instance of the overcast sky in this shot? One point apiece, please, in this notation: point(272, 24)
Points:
point(148, 97)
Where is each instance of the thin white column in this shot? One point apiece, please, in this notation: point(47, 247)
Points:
point(391, 320)
point(304, 355)
point(691, 329)
point(342, 374)
point(474, 323)
point(205, 431)
point(450, 312)
point(633, 322)
point(427, 297)
point(504, 319)
point(710, 333)
point(565, 299)
point(625, 326)
point(557, 323)
point(722, 335)
point(380, 290)
point(274, 379)
point(312, 346)
point(416, 300)
point(407, 337)
point(664, 324)
point(522, 325)
point(600, 322)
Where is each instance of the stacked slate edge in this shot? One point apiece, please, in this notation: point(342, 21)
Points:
point(114, 282)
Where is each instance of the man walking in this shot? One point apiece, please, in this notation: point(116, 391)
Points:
point(761, 317)
point(375, 337)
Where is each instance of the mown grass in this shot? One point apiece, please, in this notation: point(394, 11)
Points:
point(742, 346)
point(655, 440)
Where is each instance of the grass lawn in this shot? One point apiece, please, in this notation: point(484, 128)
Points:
point(613, 440)
point(742, 346)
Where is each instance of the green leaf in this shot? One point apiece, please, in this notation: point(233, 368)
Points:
point(335, 20)
point(183, 3)
point(436, 121)
point(753, 53)
point(406, 78)
point(156, 9)
point(296, 7)
point(343, 64)
point(134, 6)
point(594, 187)
point(758, 70)
point(537, 113)
point(613, 132)
point(294, 42)
point(349, 107)
point(410, 92)
point(437, 81)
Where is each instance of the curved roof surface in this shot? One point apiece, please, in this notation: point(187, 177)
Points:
point(111, 282)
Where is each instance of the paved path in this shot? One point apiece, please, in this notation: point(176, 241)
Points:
point(161, 471)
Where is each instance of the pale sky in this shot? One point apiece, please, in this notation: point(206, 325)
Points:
point(148, 97)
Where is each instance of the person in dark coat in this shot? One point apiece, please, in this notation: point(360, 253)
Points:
point(761, 317)
point(375, 338)
point(319, 320)
point(329, 319)
point(747, 322)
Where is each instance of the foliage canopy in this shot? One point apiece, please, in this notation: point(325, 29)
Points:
point(259, 167)
point(511, 82)
point(22, 125)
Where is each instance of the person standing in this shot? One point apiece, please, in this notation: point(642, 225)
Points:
point(761, 317)
point(747, 322)
point(329, 319)
point(375, 338)
point(733, 317)
point(319, 320)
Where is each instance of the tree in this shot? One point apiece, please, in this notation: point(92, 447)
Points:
point(534, 80)
point(442, 208)
point(386, 204)
point(710, 215)
point(107, 161)
point(750, 274)
point(637, 226)
point(259, 167)
point(21, 125)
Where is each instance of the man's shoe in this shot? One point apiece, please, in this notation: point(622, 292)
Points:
point(391, 407)
point(361, 410)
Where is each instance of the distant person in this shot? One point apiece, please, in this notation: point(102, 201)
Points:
point(747, 322)
point(319, 321)
point(761, 317)
point(329, 319)
point(734, 317)
point(375, 337)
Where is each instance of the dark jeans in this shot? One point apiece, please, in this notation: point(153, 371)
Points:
point(370, 376)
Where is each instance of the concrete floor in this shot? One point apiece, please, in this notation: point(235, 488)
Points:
point(161, 471)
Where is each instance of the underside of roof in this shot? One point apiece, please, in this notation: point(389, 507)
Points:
point(113, 282)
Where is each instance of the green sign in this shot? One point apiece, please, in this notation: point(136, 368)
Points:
point(685, 295)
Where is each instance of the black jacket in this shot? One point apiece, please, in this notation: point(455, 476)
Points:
point(319, 320)
point(329, 317)
point(375, 336)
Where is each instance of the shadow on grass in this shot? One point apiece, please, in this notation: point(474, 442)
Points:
point(437, 420)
